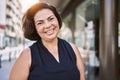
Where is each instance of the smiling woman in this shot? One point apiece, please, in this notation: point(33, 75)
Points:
point(50, 57)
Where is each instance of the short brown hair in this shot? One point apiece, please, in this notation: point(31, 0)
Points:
point(28, 20)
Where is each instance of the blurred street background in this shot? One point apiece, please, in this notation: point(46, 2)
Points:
point(93, 25)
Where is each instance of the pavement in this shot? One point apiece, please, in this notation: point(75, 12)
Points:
point(5, 69)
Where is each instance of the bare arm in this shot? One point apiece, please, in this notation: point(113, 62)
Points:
point(79, 62)
point(20, 69)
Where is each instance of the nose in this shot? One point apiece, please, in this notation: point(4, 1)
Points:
point(47, 24)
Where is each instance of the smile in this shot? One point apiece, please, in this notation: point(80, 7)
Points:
point(49, 32)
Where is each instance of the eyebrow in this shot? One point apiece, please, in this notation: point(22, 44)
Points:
point(41, 20)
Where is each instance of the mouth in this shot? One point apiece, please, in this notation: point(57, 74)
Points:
point(49, 32)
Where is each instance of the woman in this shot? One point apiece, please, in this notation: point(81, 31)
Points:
point(49, 58)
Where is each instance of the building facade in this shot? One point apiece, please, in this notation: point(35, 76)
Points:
point(11, 34)
point(2, 22)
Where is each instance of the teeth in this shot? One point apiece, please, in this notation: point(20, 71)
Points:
point(50, 32)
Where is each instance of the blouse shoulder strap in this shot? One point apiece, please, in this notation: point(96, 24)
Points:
point(69, 50)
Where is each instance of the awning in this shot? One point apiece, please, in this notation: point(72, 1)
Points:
point(2, 27)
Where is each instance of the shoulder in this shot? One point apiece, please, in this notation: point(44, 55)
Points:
point(24, 58)
point(80, 64)
point(75, 48)
point(25, 54)
point(77, 51)
point(20, 69)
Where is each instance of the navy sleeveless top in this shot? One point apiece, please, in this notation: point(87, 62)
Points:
point(45, 67)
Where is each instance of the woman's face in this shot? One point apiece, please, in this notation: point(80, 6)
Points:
point(46, 24)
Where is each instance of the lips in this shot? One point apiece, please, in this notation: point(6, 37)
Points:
point(49, 32)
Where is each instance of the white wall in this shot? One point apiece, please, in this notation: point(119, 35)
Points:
point(2, 11)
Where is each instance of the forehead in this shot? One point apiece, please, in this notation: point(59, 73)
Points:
point(44, 13)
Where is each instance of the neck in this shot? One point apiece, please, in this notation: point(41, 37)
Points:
point(52, 43)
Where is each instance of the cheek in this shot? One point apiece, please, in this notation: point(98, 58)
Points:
point(57, 24)
point(39, 29)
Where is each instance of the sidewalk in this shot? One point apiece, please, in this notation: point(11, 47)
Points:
point(5, 69)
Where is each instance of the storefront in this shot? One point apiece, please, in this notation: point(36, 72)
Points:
point(94, 27)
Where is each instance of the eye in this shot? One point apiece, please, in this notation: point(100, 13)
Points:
point(39, 23)
point(51, 18)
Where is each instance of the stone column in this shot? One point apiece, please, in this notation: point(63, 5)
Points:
point(109, 40)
